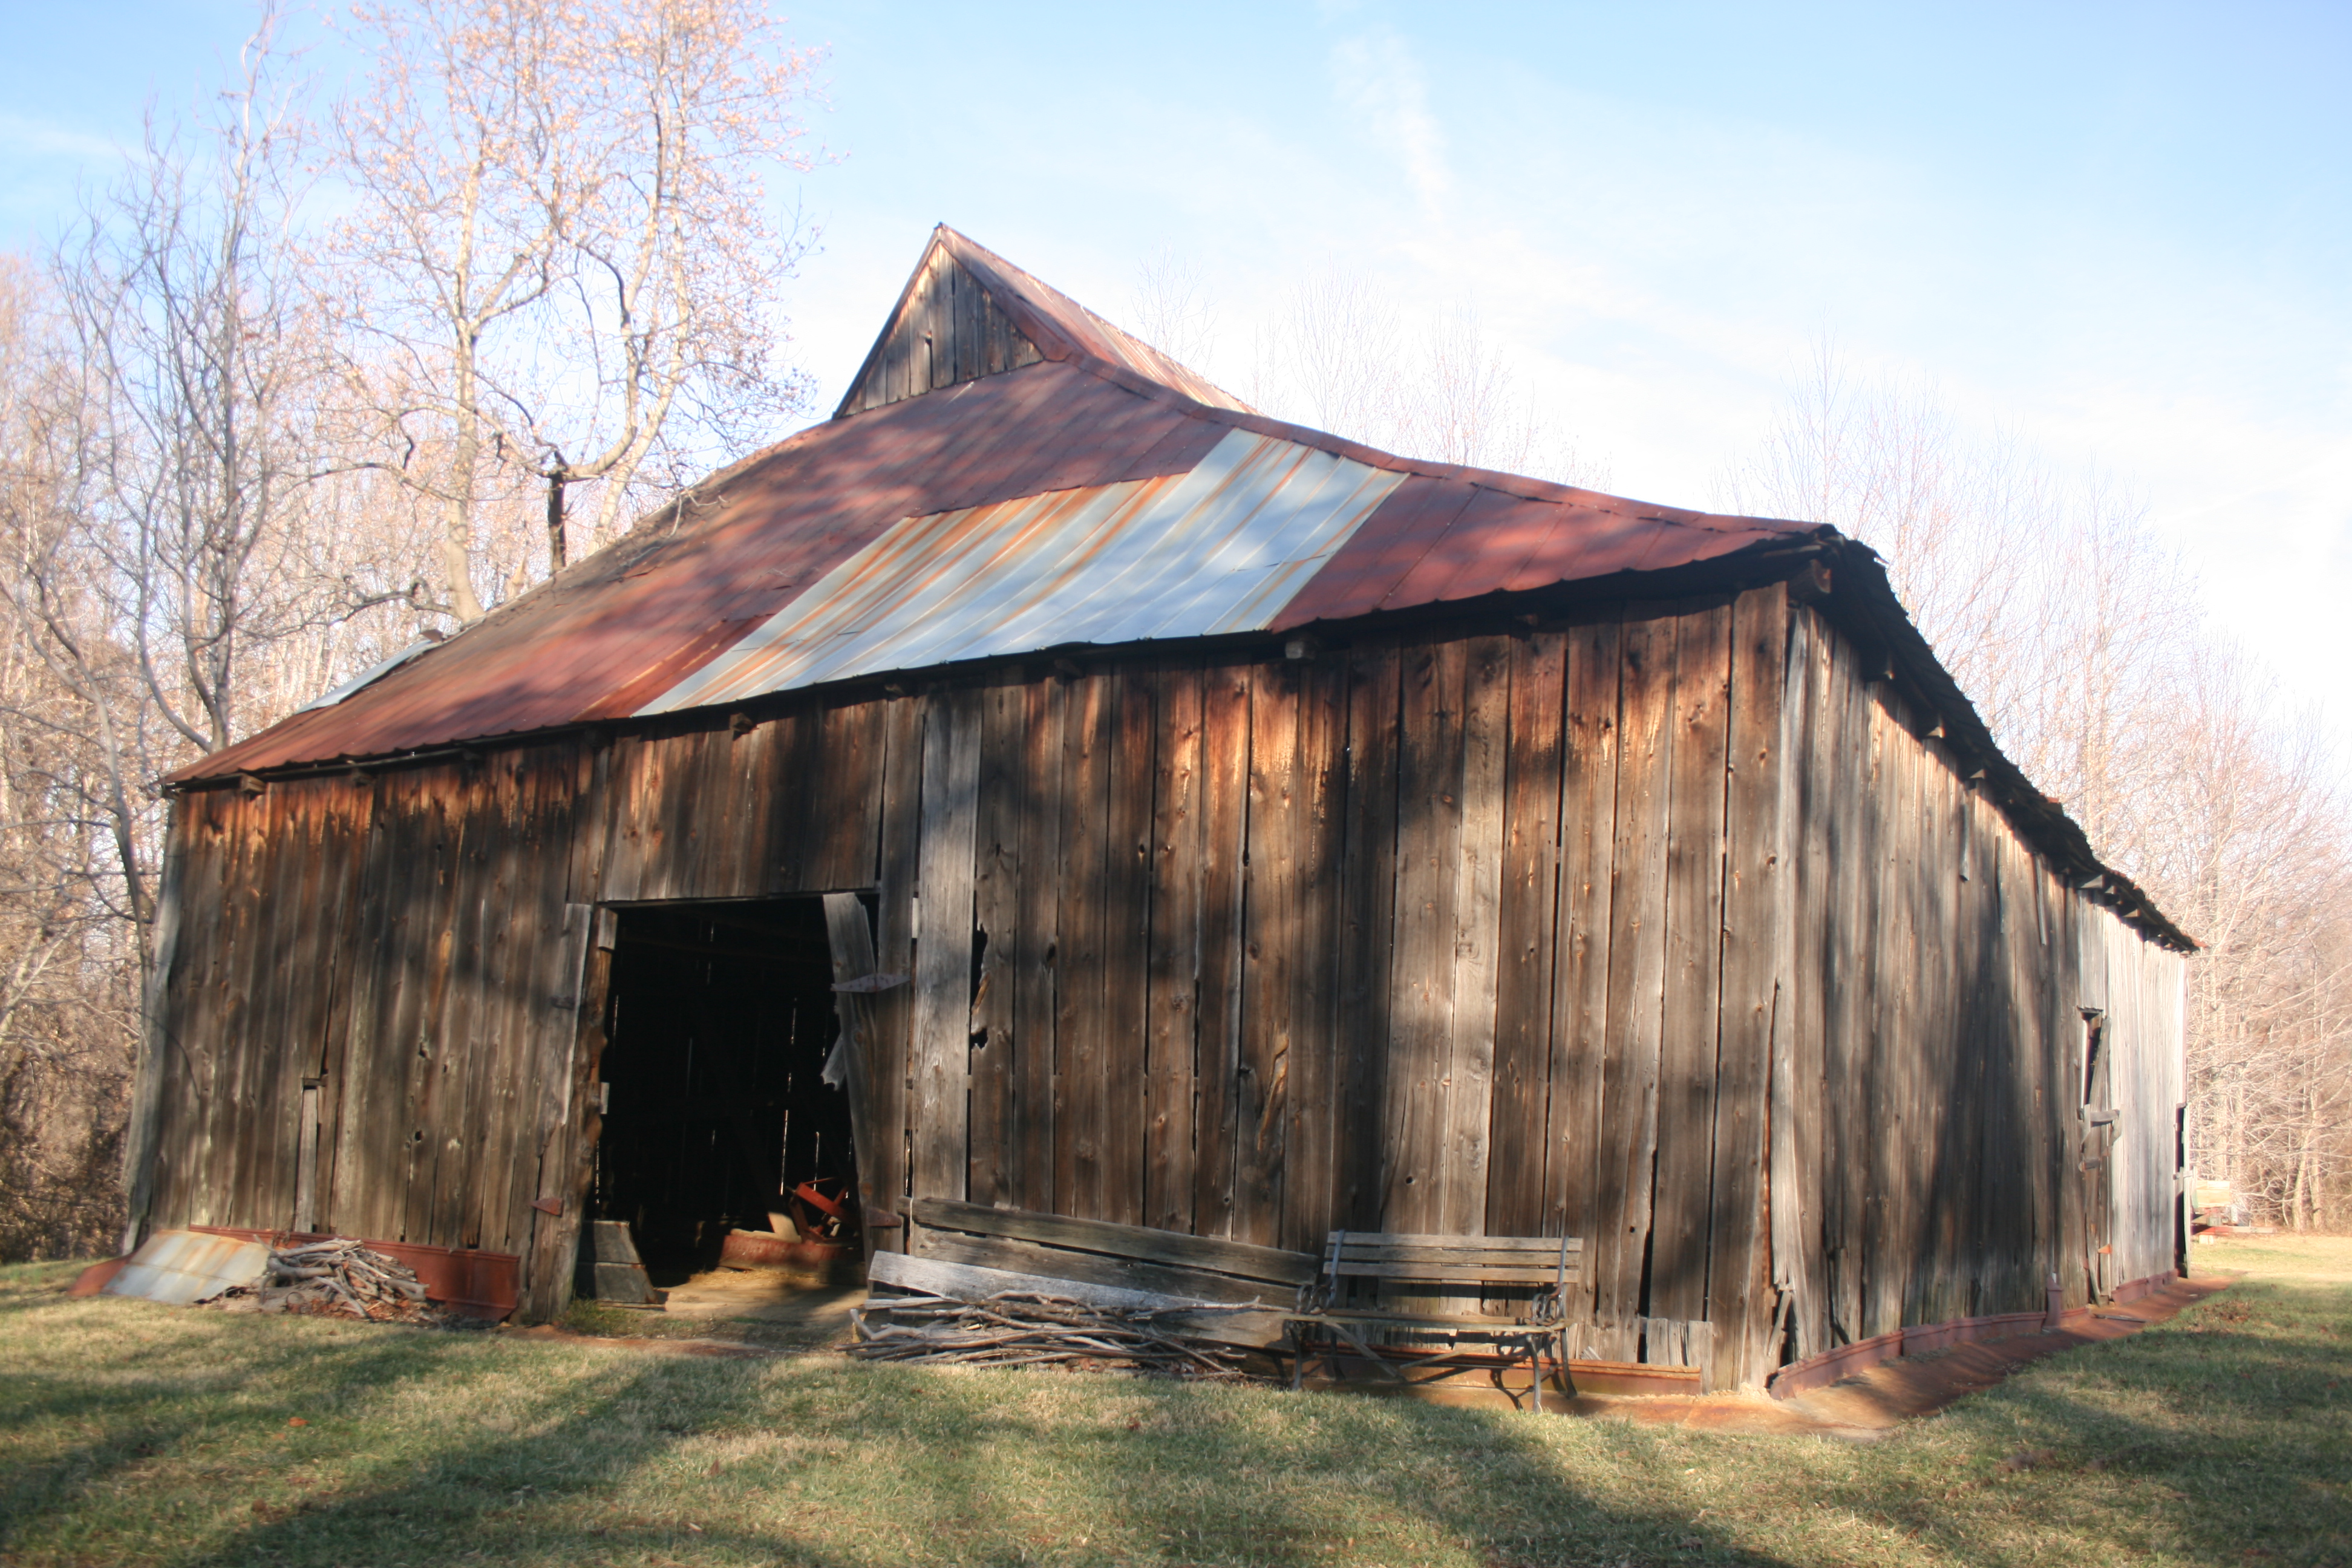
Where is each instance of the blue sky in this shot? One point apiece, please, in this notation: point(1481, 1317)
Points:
point(2123, 232)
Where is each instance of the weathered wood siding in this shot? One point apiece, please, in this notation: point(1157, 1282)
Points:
point(1631, 924)
point(1930, 1125)
point(947, 329)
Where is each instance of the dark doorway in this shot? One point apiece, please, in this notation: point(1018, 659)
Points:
point(715, 1108)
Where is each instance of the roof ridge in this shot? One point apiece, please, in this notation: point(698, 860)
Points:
point(1525, 486)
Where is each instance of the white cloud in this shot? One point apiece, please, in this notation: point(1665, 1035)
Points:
point(1378, 77)
point(40, 138)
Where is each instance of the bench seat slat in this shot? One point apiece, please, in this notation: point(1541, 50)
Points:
point(1487, 1273)
point(1451, 1254)
point(1410, 1320)
point(1501, 1243)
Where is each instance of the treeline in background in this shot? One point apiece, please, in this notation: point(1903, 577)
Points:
point(317, 375)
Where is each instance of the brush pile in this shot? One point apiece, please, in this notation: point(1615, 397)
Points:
point(340, 1278)
point(1016, 1327)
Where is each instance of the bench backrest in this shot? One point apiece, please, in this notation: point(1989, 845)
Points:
point(1553, 1261)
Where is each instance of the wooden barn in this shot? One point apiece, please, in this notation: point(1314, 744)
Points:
point(1273, 835)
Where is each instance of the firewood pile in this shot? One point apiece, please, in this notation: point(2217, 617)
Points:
point(340, 1278)
point(1016, 1327)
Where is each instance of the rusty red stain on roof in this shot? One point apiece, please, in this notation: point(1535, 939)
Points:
point(609, 636)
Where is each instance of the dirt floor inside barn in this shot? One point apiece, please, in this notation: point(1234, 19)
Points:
point(133, 1433)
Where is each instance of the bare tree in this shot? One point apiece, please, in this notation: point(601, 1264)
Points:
point(68, 955)
point(1172, 308)
point(564, 246)
point(1343, 358)
point(2078, 633)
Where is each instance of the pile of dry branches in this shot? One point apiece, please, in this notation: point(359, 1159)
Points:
point(334, 1279)
point(1016, 1328)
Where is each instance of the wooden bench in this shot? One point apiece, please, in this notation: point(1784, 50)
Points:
point(1451, 1266)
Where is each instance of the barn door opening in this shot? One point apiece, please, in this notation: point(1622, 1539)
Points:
point(716, 1117)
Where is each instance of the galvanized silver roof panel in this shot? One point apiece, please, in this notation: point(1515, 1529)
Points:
point(1222, 548)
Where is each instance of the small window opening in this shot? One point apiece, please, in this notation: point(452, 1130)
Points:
point(2093, 1024)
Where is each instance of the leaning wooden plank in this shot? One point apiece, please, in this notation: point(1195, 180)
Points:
point(1029, 1257)
point(887, 1062)
point(851, 941)
point(969, 1283)
point(1125, 1240)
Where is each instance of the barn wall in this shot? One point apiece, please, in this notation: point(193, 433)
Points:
point(1932, 1126)
point(1512, 934)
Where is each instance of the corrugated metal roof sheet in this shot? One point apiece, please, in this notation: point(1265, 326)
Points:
point(1075, 500)
point(1220, 549)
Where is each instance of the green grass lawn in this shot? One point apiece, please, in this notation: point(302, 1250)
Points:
point(135, 1434)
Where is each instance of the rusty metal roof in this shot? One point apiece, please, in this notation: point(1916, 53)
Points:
point(1093, 498)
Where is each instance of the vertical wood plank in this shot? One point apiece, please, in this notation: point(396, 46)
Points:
point(1079, 1027)
point(552, 1159)
point(1469, 1076)
point(1035, 956)
point(1853, 916)
point(1801, 1240)
point(941, 1030)
point(1428, 839)
point(1573, 1140)
point(995, 1046)
point(425, 1010)
point(1527, 945)
point(1756, 905)
point(1269, 950)
point(1689, 1033)
point(1366, 935)
point(1637, 965)
point(348, 1170)
point(1224, 822)
point(893, 1011)
point(1171, 1040)
point(1126, 935)
point(1310, 1151)
point(853, 791)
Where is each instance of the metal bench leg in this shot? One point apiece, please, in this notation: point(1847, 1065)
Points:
point(1356, 1340)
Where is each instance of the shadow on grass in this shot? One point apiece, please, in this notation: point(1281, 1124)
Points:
point(2210, 1438)
point(2221, 1435)
point(891, 1465)
point(182, 1453)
